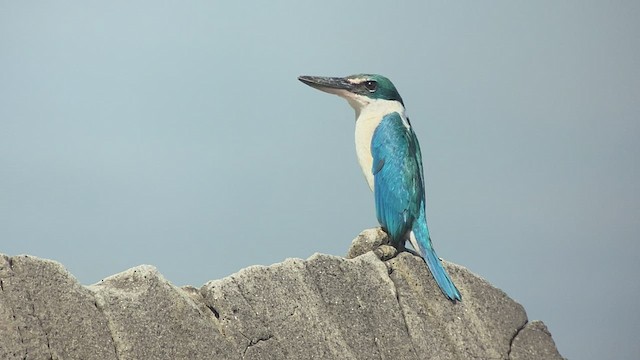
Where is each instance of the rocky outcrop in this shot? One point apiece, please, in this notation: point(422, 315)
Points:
point(325, 307)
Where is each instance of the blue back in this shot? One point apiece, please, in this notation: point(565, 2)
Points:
point(397, 170)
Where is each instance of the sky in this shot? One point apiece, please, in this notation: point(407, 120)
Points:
point(176, 134)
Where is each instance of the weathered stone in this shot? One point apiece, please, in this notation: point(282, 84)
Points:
point(534, 342)
point(152, 319)
point(366, 241)
point(325, 307)
point(441, 329)
point(46, 314)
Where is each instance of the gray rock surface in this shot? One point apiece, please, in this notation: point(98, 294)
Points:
point(325, 307)
point(46, 314)
point(534, 342)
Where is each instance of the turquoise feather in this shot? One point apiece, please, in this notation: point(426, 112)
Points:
point(399, 193)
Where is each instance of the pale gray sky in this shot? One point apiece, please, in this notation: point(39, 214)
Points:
point(176, 134)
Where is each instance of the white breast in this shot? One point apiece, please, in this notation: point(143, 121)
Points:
point(366, 123)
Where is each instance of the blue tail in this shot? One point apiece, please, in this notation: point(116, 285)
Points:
point(421, 233)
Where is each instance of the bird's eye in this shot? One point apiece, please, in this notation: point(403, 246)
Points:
point(371, 85)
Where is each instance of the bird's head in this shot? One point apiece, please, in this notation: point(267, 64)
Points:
point(359, 90)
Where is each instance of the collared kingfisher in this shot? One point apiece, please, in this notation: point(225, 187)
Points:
point(390, 158)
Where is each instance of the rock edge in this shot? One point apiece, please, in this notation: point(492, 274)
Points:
point(325, 307)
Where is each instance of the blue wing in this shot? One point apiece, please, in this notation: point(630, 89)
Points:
point(397, 170)
point(399, 193)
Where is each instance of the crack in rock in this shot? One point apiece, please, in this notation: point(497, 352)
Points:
point(26, 351)
point(110, 326)
point(213, 310)
point(400, 307)
point(46, 333)
point(514, 337)
point(255, 341)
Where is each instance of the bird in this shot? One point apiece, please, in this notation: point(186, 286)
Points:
point(389, 155)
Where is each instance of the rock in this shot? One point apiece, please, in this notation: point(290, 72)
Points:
point(152, 319)
point(46, 314)
point(325, 307)
point(368, 240)
point(534, 342)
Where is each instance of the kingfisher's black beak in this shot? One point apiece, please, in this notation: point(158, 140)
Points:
point(327, 84)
